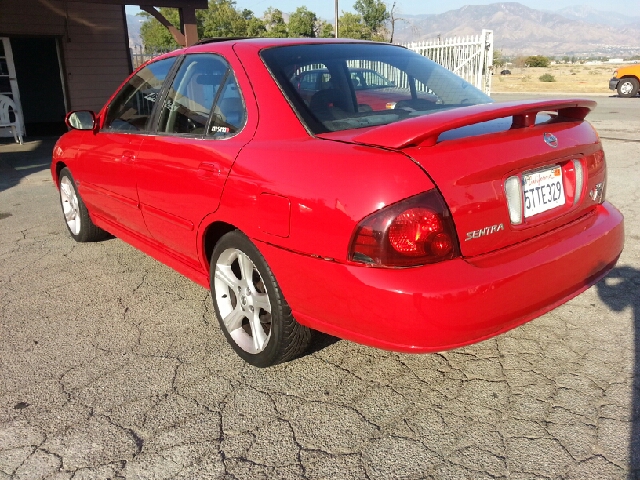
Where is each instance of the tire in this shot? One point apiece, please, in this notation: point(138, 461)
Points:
point(75, 213)
point(628, 87)
point(253, 314)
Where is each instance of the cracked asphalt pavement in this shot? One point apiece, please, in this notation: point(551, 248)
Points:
point(113, 366)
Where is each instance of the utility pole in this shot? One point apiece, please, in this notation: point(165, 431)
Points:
point(336, 29)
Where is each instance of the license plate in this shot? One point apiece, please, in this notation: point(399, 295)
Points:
point(543, 190)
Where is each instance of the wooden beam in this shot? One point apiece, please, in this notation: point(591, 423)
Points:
point(177, 34)
point(189, 25)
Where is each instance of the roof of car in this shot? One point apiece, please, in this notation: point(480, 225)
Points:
point(261, 42)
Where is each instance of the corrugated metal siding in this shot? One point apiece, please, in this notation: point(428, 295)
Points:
point(93, 41)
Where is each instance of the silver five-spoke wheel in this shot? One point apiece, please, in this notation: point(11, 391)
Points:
point(70, 207)
point(253, 314)
point(75, 212)
point(243, 301)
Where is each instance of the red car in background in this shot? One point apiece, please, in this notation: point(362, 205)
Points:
point(417, 228)
point(373, 91)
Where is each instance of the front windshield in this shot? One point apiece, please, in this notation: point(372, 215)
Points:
point(341, 86)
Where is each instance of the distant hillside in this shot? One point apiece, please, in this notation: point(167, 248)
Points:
point(520, 30)
point(587, 14)
point(133, 25)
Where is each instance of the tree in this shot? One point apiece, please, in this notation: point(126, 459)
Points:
point(351, 25)
point(255, 26)
point(324, 29)
point(498, 59)
point(374, 14)
point(537, 61)
point(393, 19)
point(274, 21)
point(154, 35)
point(302, 23)
point(222, 19)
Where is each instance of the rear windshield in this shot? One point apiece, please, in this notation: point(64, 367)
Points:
point(337, 87)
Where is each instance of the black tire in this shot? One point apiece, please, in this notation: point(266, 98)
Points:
point(628, 87)
point(81, 228)
point(286, 339)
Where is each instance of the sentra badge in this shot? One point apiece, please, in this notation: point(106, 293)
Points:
point(484, 231)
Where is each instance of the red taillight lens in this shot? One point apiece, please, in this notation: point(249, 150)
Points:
point(413, 232)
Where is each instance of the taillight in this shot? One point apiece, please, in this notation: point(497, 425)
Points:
point(595, 164)
point(413, 232)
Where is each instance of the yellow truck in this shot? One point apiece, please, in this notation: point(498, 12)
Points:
point(626, 80)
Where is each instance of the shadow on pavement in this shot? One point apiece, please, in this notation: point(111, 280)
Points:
point(18, 161)
point(319, 341)
point(619, 290)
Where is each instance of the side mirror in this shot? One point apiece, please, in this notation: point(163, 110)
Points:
point(81, 120)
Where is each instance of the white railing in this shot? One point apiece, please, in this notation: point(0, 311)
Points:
point(470, 57)
point(139, 55)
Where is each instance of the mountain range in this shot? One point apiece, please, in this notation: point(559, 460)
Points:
point(520, 30)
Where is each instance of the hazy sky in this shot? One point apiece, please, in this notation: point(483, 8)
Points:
point(325, 8)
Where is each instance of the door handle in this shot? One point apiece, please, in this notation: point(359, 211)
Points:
point(208, 169)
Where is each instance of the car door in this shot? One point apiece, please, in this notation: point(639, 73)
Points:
point(182, 168)
point(108, 172)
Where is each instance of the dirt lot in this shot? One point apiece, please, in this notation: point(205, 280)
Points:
point(569, 79)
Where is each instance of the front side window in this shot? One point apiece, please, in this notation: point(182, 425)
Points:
point(363, 85)
point(131, 108)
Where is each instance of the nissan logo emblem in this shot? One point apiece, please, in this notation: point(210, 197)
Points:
point(551, 140)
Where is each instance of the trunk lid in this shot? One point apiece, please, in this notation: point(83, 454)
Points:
point(469, 153)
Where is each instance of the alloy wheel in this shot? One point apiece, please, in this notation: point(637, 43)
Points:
point(70, 205)
point(242, 300)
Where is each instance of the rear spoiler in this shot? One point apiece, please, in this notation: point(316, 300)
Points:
point(425, 130)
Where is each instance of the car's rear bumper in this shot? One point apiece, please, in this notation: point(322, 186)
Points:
point(613, 83)
point(453, 303)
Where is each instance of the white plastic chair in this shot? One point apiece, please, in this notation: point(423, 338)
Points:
point(7, 105)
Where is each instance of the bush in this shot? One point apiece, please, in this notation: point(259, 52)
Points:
point(547, 77)
point(537, 61)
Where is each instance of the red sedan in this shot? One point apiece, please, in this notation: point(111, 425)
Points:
point(420, 228)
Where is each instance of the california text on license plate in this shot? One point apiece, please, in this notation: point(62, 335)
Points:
point(543, 190)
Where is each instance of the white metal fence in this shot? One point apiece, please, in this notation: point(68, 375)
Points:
point(470, 57)
point(139, 55)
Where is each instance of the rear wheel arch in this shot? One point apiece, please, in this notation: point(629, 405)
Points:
point(211, 235)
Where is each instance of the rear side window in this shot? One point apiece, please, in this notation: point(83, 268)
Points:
point(229, 114)
point(132, 106)
point(190, 98)
point(203, 99)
